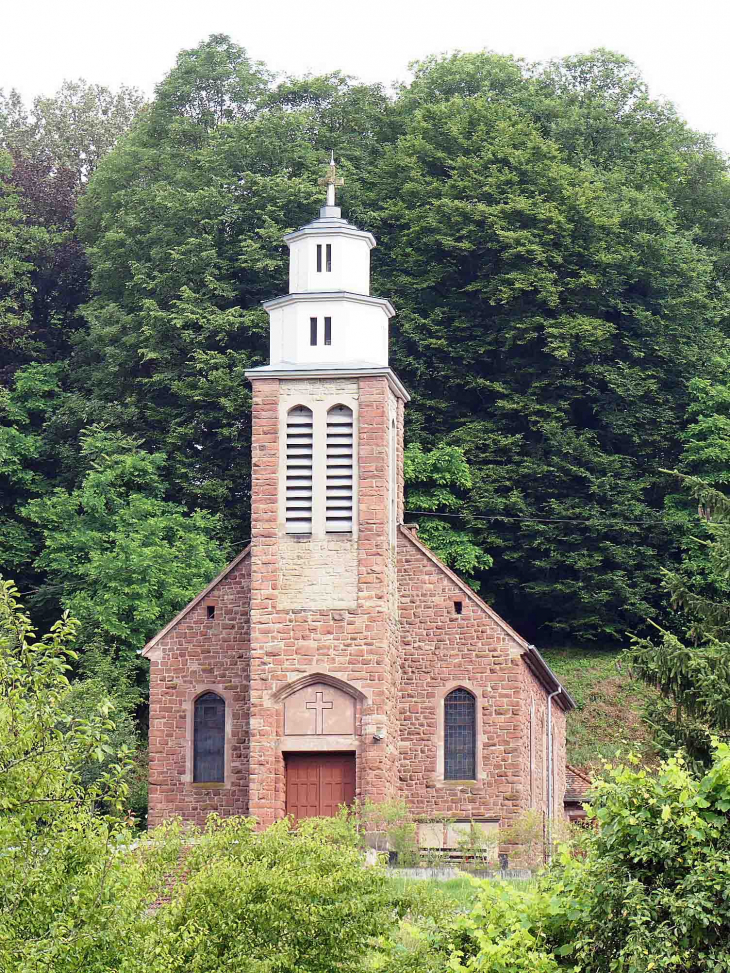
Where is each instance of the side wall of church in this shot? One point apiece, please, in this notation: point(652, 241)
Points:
point(440, 650)
point(534, 747)
point(201, 654)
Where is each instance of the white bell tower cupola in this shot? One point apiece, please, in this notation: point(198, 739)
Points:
point(329, 320)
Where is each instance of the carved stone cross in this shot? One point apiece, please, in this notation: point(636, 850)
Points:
point(319, 706)
point(332, 181)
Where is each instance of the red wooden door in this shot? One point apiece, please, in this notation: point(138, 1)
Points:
point(318, 783)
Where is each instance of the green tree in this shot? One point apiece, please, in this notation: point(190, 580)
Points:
point(44, 272)
point(557, 287)
point(690, 664)
point(115, 552)
point(69, 892)
point(27, 468)
point(29, 248)
point(550, 316)
point(74, 128)
point(438, 481)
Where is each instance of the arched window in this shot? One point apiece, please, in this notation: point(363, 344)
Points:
point(340, 444)
point(460, 735)
point(209, 739)
point(299, 444)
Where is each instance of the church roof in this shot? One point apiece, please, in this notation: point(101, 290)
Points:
point(297, 297)
point(577, 785)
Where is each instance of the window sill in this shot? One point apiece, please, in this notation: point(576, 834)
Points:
point(207, 786)
point(457, 783)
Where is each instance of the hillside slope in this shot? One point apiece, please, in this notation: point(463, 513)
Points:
point(608, 719)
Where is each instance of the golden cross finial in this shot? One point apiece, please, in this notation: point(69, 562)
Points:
point(332, 181)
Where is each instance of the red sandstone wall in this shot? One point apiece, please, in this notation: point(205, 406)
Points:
point(359, 646)
point(438, 648)
point(537, 799)
point(200, 653)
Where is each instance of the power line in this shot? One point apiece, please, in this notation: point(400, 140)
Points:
point(595, 522)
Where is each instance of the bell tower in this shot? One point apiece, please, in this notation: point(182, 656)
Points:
point(329, 319)
point(326, 501)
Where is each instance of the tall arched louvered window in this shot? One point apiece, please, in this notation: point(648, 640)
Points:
point(339, 488)
point(209, 739)
point(299, 433)
point(460, 725)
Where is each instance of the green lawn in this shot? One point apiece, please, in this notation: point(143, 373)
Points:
point(462, 891)
point(610, 702)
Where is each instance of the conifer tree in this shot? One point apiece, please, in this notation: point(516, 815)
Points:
point(690, 666)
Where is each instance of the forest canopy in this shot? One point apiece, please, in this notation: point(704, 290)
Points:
point(554, 240)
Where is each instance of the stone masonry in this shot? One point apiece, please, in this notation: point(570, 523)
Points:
point(320, 661)
point(412, 633)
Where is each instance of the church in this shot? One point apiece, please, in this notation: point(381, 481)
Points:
point(336, 657)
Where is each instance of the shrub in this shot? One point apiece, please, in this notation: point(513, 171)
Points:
point(650, 893)
point(477, 845)
point(72, 891)
point(653, 892)
point(388, 826)
point(279, 901)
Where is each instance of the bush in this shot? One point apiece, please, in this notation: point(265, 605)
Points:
point(653, 892)
point(650, 893)
point(279, 901)
point(388, 826)
point(72, 890)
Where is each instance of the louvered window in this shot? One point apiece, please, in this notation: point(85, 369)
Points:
point(299, 470)
point(209, 739)
point(460, 735)
point(339, 469)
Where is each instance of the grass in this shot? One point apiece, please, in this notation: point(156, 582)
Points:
point(462, 891)
point(608, 719)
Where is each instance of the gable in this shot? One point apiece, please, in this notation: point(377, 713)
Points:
point(148, 652)
point(529, 654)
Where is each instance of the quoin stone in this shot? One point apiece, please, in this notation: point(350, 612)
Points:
point(350, 661)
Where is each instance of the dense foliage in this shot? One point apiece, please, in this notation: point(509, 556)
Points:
point(66, 895)
point(555, 243)
point(690, 664)
point(275, 902)
point(648, 891)
point(438, 481)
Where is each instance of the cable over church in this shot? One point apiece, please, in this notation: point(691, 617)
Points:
point(336, 657)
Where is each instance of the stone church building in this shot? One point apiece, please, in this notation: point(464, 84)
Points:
point(336, 657)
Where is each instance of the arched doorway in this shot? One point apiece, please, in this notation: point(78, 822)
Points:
point(319, 744)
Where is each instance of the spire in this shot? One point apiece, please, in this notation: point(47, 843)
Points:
point(332, 181)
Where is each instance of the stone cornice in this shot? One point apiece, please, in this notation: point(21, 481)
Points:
point(325, 371)
point(330, 227)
